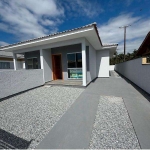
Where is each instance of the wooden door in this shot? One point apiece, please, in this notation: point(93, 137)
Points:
point(57, 67)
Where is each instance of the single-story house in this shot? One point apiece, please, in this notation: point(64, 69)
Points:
point(6, 60)
point(144, 50)
point(76, 54)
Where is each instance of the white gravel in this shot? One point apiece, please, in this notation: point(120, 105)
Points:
point(112, 128)
point(31, 115)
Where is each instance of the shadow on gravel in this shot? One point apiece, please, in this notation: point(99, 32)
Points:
point(10, 141)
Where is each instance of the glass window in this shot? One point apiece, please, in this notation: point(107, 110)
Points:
point(4, 65)
point(148, 59)
point(75, 73)
point(35, 63)
point(79, 60)
point(71, 60)
point(74, 65)
point(32, 63)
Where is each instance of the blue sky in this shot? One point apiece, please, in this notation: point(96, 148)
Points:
point(26, 19)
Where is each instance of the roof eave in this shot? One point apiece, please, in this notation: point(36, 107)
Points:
point(29, 42)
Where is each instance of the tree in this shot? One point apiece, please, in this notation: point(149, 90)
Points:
point(118, 58)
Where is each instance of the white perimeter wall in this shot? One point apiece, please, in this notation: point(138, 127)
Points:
point(136, 72)
point(102, 63)
point(47, 62)
point(12, 82)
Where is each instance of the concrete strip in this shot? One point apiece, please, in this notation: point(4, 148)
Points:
point(136, 102)
point(73, 131)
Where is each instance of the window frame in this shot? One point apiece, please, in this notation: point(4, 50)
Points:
point(8, 64)
point(32, 62)
point(148, 59)
point(79, 68)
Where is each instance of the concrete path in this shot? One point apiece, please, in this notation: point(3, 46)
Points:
point(136, 102)
point(74, 129)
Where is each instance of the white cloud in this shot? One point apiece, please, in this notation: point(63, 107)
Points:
point(111, 33)
point(89, 8)
point(2, 43)
point(86, 8)
point(30, 18)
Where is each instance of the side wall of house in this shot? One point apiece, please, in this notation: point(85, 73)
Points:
point(47, 62)
point(102, 63)
point(91, 62)
point(21, 65)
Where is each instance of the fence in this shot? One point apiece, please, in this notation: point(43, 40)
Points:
point(136, 72)
point(12, 82)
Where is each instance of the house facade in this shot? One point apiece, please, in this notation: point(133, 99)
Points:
point(76, 54)
point(6, 60)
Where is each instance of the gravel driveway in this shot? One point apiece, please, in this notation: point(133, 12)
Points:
point(112, 128)
point(31, 115)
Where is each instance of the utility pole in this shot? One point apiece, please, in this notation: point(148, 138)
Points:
point(125, 39)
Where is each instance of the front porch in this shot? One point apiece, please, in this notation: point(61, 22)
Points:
point(66, 64)
point(77, 83)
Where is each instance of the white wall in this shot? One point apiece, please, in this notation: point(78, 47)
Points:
point(20, 64)
point(12, 82)
point(47, 62)
point(136, 72)
point(111, 67)
point(91, 74)
point(102, 63)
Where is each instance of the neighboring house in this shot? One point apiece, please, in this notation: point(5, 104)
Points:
point(72, 54)
point(144, 50)
point(6, 60)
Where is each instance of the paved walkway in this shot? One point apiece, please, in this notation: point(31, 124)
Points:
point(74, 129)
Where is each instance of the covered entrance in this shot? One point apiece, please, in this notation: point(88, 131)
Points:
point(57, 66)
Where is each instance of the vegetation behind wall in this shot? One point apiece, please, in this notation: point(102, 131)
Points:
point(118, 58)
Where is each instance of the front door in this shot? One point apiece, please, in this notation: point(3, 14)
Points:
point(57, 66)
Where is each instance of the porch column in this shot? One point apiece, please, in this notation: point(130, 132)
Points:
point(84, 68)
point(41, 59)
point(15, 61)
point(42, 62)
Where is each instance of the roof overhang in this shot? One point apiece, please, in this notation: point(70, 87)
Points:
point(88, 32)
point(112, 49)
point(144, 46)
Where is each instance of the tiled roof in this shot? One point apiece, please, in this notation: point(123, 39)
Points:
point(8, 54)
point(145, 44)
point(50, 35)
point(111, 44)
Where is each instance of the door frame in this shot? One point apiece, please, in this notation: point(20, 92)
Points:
point(52, 56)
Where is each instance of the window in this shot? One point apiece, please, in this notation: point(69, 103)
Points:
point(71, 60)
point(74, 60)
point(148, 59)
point(74, 65)
point(32, 63)
point(4, 65)
point(79, 60)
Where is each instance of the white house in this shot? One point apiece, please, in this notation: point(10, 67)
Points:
point(73, 54)
point(6, 60)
